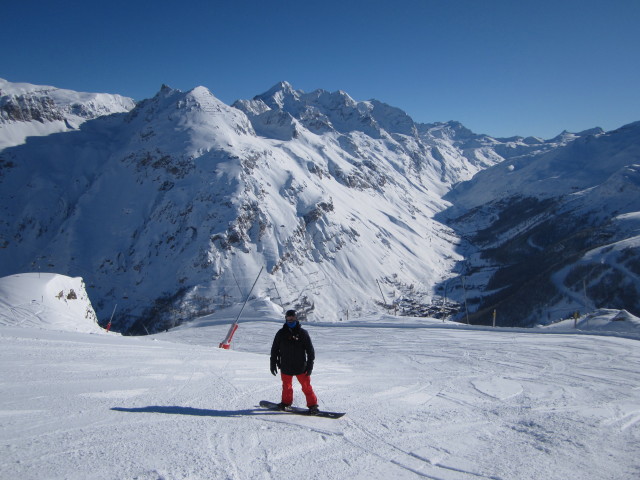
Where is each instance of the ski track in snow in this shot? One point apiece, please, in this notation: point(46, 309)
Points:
point(435, 403)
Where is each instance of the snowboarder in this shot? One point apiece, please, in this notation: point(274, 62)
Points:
point(292, 352)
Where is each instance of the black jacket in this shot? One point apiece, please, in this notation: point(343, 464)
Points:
point(292, 350)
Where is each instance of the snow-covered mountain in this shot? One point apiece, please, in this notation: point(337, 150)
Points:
point(32, 110)
point(553, 233)
point(171, 209)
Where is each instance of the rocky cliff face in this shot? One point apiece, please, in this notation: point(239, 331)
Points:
point(25, 108)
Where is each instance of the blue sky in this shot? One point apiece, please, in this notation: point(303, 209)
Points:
point(501, 67)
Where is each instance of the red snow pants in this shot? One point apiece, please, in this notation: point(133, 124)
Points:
point(305, 382)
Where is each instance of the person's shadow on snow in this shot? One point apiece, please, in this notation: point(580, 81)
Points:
point(196, 412)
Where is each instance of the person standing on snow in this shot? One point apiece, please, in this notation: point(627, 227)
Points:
point(292, 352)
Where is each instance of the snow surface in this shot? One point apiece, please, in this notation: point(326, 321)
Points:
point(424, 399)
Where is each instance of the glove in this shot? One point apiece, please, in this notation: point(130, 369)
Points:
point(309, 369)
point(274, 368)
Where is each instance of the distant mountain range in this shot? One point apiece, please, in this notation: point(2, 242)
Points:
point(169, 207)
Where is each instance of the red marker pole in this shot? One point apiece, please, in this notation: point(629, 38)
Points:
point(108, 328)
point(226, 343)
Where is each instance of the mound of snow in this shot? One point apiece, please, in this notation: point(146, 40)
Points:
point(603, 322)
point(48, 301)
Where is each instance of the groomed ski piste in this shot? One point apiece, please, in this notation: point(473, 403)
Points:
point(424, 398)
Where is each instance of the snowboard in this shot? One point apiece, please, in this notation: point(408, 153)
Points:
point(300, 411)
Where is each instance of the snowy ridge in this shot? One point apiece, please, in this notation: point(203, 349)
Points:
point(582, 164)
point(28, 110)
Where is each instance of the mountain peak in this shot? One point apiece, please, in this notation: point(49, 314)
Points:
point(591, 131)
point(284, 85)
point(279, 95)
point(201, 93)
point(282, 88)
point(165, 92)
